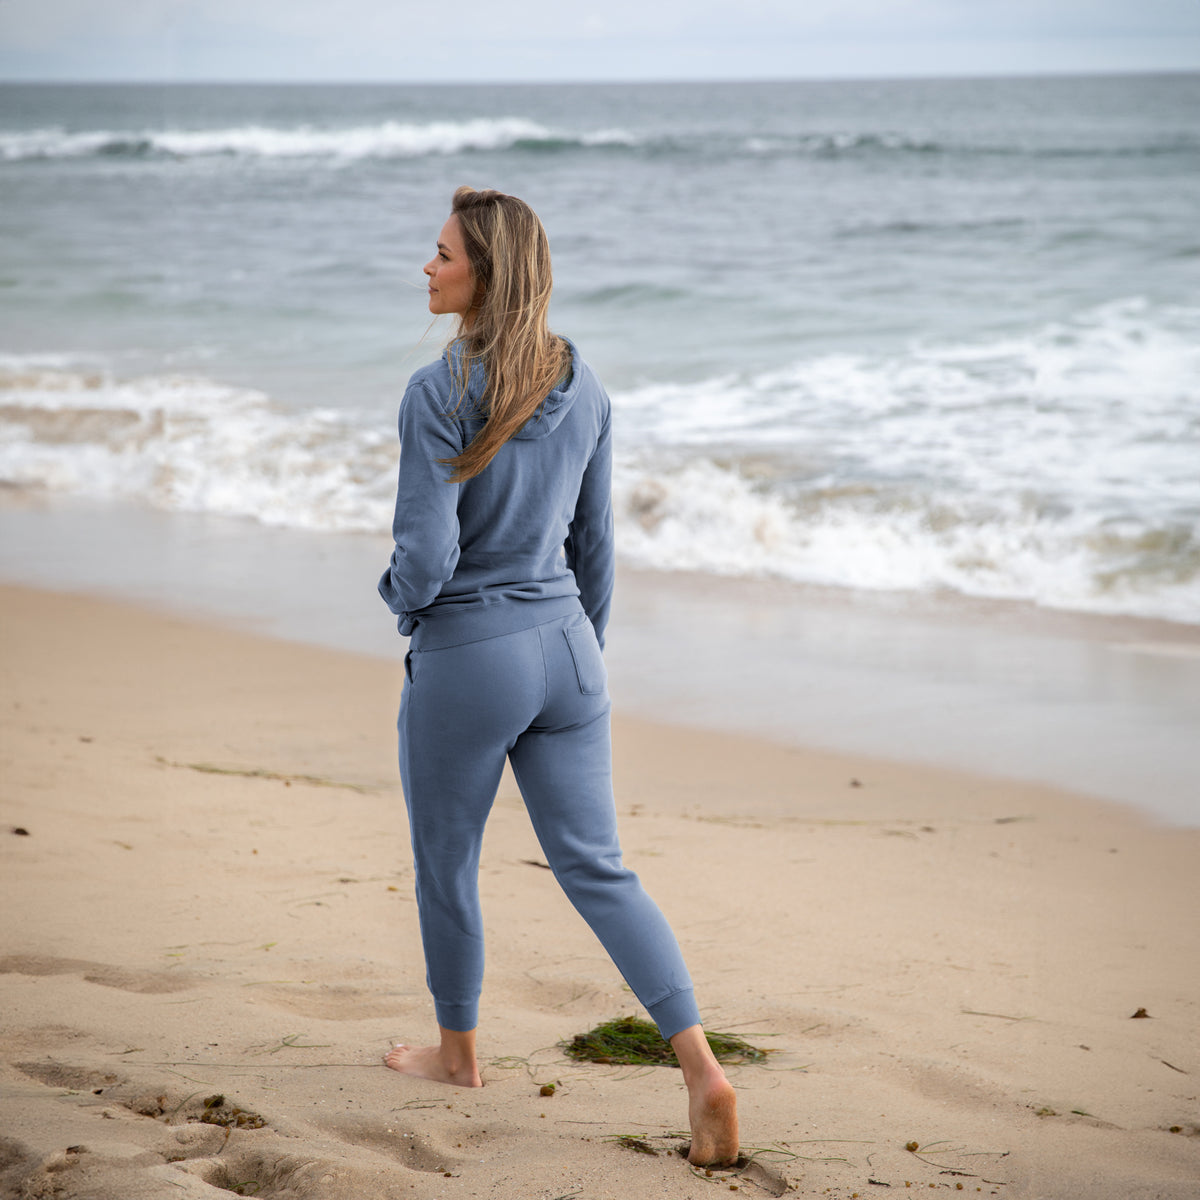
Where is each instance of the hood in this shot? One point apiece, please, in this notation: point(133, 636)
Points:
point(549, 413)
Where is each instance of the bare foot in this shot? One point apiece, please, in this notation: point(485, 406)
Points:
point(430, 1062)
point(712, 1102)
point(712, 1112)
point(451, 1061)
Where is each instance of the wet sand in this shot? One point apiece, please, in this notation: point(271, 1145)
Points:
point(1108, 706)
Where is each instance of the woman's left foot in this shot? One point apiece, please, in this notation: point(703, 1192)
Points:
point(712, 1112)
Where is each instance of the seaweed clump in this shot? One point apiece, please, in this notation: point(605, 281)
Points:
point(228, 1116)
point(628, 1041)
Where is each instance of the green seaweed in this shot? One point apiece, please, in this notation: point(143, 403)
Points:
point(628, 1041)
point(631, 1141)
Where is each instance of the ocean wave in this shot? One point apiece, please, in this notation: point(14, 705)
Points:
point(1118, 376)
point(837, 144)
point(881, 143)
point(192, 445)
point(387, 139)
point(720, 518)
point(905, 228)
point(631, 294)
point(395, 139)
point(1056, 466)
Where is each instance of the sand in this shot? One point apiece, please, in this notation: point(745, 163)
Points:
point(207, 913)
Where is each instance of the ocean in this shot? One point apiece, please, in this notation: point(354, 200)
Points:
point(936, 337)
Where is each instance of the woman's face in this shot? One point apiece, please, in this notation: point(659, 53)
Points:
point(451, 285)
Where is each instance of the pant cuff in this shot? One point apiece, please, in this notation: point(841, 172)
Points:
point(462, 1018)
point(675, 1013)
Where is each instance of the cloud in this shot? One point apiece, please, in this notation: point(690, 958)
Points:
point(482, 40)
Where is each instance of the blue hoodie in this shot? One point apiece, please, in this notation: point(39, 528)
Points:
point(534, 525)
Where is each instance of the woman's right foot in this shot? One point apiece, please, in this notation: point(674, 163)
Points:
point(432, 1062)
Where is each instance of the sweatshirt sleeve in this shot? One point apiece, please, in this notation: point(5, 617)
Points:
point(589, 546)
point(425, 527)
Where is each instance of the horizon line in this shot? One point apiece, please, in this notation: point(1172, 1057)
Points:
point(950, 77)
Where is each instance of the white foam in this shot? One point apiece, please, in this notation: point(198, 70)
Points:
point(193, 445)
point(1101, 408)
point(1058, 466)
point(832, 144)
point(385, 139)
point(702, 516)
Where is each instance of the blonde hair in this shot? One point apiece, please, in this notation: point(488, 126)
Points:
point(505, 331)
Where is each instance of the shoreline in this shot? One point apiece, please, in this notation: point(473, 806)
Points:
point(213, 897)
point(1101, 705)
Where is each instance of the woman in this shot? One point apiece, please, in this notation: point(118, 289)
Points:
point(502, 574)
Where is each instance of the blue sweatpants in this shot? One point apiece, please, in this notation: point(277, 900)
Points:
point(538, 697)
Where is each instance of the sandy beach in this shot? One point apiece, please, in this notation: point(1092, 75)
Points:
point(209, 941)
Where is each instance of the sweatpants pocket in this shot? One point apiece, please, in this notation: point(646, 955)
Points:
point(589, 662)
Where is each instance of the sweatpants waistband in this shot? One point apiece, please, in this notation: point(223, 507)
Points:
point(456, 628)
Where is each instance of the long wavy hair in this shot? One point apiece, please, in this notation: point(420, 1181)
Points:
point(506, 331)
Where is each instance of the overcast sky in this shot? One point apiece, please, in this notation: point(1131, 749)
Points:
point(484, 40)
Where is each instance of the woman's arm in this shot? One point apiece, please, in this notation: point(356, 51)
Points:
point(589, 545)
point(425, 527)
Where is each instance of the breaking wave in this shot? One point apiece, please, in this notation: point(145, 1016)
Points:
point(1057, 466)
point(386, 139)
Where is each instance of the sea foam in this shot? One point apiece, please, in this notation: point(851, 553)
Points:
point(385, 139)
point(1056, 466)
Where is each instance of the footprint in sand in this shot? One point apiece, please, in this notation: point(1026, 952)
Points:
point(17, 1161)
point(417, 1153)
point(106, 975)
point(766, 1178)
point(330, 1002)
point(64, 1075)
point(196, 1141)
